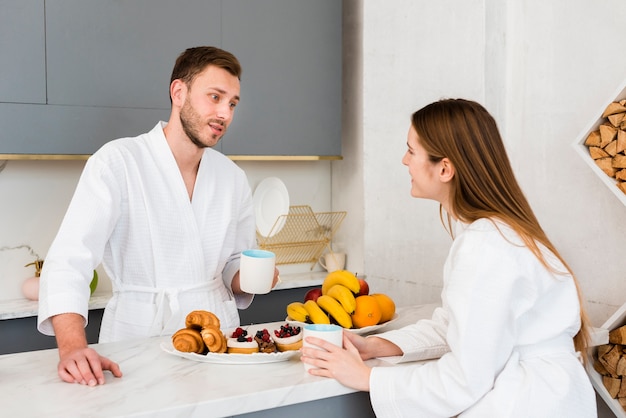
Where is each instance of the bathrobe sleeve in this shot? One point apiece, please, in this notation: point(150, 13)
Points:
point(91, 215)
point(424, 340)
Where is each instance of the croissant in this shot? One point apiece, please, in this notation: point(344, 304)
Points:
point(214, 339)
point(188, 341)
point(200, 319)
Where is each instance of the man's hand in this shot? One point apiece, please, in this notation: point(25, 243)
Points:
point(86, 366)
point(236, 287)
point(77, 362)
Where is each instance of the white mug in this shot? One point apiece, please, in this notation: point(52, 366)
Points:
point(327, 332)
point(256, 271)
point(333, 261)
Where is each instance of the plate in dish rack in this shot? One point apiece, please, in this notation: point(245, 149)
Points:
point(271, 201)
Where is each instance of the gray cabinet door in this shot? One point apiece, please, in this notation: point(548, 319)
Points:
point(22, 52)
point(121, 53)
point(290, 51)
point(102, 70)
point(108, 71)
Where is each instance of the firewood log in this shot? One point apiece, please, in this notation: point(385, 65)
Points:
point(611, 148)
point(593, 139)
point(603, 349)
point(612, 385)
point(622, 389)
point(607, 134)
point(619, 161)
point(618, 335)
point(616, 119)
point(598, 367)
point(597, 152)
point(610, 359)
point(613, 108)
point(606, 165)
point(621, 366)
point(621, 141)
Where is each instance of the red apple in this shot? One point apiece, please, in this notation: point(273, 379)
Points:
point(313, 294)
point(365, 288)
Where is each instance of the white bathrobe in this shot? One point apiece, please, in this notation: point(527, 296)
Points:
point(504, 334)
point(165, 255)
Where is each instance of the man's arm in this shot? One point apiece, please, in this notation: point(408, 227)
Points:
point(77, 362)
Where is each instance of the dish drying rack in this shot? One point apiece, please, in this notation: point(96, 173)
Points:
point(301, 235)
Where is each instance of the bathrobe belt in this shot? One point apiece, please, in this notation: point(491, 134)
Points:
point(560, 344)
point(168, 298)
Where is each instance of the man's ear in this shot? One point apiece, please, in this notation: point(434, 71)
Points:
point(178, 92)
point(446, 170)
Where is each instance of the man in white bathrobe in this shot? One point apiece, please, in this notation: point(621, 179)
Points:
point(165, 214)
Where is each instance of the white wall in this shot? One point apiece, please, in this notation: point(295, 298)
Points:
point(544, 69)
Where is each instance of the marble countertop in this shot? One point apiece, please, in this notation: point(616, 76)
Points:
point(22, 308)
point(159, 384)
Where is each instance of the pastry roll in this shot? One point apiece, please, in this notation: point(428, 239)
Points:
point(214, 339)
point(188, 341)
point(200, 319)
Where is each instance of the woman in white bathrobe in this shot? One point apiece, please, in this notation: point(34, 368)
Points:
point(511, 326)
point(165, 214)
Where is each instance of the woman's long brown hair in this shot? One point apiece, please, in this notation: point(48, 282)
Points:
point(484, 185)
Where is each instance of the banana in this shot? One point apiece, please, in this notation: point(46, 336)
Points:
point(316, 314)
point(297, 312)
point(335, 310)
point(342, 277)
point(344, 296)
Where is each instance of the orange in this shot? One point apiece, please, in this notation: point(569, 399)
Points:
point(387, 306)
point(366, 313)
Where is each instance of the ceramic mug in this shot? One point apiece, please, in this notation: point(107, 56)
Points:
point(256, 271)
point(327, 332)
point(333, 261)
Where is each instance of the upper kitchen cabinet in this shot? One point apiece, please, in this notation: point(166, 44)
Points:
point(121, 53)
point(22, 48)
point(290, 51)
point(84, 72)
point(105, 74)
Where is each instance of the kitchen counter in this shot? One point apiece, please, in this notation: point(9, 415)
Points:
point(158, 384)
point(24, 308)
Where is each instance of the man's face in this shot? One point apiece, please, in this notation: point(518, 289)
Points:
point(209, 106)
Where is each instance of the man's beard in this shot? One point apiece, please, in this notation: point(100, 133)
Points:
point(190, 120)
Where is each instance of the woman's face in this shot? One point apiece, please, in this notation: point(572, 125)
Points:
point(426, 176)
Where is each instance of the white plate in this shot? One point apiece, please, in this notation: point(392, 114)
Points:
point(358, 331)
point(225, 358)
point(271, 200)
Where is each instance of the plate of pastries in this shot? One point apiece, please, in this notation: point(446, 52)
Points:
point(203, 340)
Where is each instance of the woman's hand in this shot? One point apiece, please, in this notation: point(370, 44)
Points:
point(344, 365)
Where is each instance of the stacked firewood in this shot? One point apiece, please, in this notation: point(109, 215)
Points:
point(611, 364)
point(607, 144)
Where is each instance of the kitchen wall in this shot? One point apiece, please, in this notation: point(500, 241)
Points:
point(544, 69)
